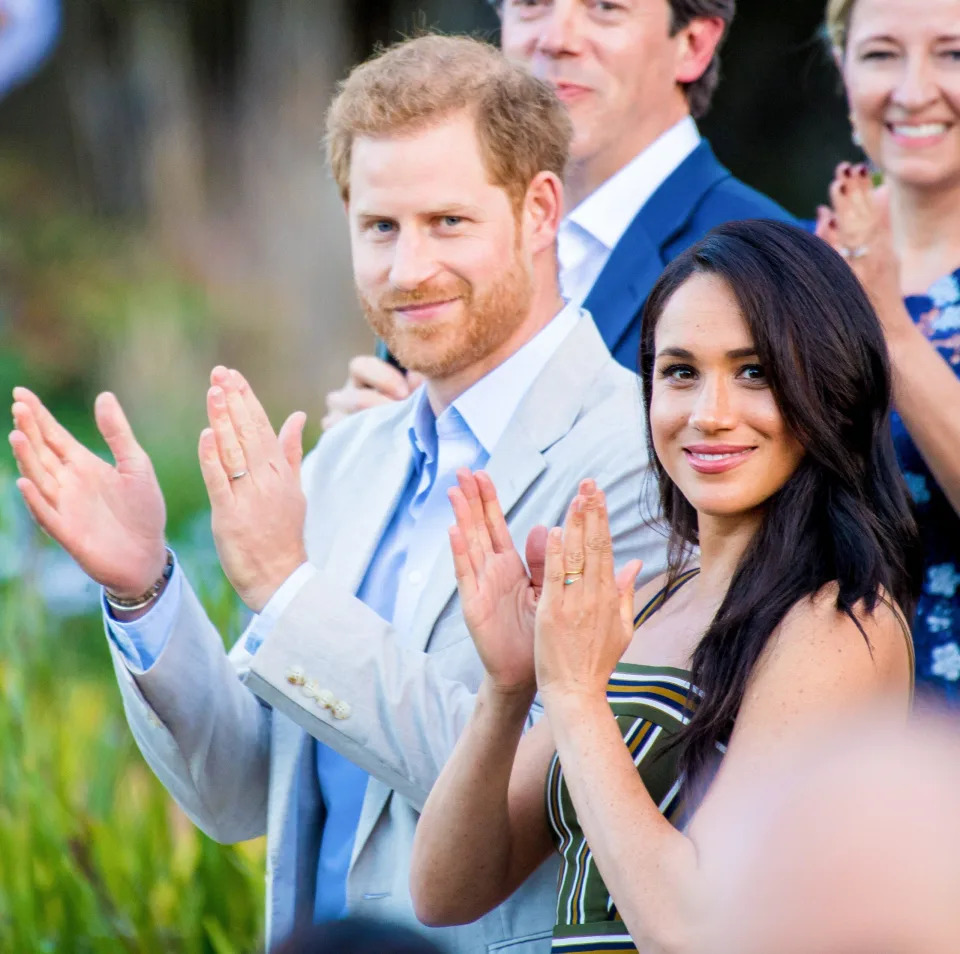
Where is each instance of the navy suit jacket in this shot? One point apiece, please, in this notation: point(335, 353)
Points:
point(698, 195)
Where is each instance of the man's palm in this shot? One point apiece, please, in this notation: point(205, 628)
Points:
point(109, 518)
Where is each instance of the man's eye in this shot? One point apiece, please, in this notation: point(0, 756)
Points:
point(382, 227)
point(605, 6)
point(451, 221)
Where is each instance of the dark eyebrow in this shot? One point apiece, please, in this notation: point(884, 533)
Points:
point(688, 355)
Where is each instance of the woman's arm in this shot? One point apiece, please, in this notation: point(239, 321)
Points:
point(817, 668)
point(484, 831)
point(483, 828)
point(926, 392)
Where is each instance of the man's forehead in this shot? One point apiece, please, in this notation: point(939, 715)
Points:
point(444, 162)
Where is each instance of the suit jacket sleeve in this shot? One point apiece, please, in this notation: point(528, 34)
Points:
point(204, 734)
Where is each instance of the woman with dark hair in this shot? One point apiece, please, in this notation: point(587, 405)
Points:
point(766, 388)
point(900, 71)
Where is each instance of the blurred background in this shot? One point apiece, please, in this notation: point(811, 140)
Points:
point(164, 206)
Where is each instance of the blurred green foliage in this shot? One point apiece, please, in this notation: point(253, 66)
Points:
point(86, 302)
point(94, 855)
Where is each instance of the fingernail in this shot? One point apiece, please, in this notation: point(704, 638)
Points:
point(216, 395)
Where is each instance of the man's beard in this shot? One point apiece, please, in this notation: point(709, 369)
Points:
point(443, 349)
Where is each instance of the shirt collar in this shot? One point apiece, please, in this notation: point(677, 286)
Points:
point(485, 409)
point(608, 210)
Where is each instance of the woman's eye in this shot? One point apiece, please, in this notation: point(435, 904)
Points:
point(680, 373)
point(878, 55)
point(753, 373)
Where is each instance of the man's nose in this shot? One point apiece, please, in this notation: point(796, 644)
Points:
point(413, 262)
point(561, 31)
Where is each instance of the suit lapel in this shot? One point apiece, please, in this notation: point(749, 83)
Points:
point(639, 257)
point(367, 510)
point(514, 465)
point(545, 414)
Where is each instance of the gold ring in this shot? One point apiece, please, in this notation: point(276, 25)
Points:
point(572, 577)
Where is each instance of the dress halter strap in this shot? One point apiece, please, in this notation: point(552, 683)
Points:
point(659, 598)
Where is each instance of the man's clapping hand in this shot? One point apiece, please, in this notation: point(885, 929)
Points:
point(109, 517)
point(252, 476)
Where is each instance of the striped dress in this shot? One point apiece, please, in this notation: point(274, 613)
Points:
point(650, 703)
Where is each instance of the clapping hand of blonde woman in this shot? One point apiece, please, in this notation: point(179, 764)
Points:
point(857, 225)
point(584, 620)
point(497, 593)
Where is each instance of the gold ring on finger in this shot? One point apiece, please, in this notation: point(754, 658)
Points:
point(572, 577)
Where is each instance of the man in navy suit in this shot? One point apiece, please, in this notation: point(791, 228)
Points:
point(642, 185)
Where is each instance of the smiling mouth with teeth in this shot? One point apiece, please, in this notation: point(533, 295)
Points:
point(918, 131)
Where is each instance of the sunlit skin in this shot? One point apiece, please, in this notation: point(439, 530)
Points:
point(902, 74)
point(450, 274)
point(616, 68)
point(716, 427)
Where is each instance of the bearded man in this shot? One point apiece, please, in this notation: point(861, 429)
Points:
point(357, 673)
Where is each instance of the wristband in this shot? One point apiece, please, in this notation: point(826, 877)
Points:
point(130, 604)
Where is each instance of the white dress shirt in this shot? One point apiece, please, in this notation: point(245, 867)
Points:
point(590, 231)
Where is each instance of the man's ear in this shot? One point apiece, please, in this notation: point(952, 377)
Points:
point(543, 210)
point(699, 41)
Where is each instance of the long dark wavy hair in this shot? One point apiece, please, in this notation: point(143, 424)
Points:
point(844, 515)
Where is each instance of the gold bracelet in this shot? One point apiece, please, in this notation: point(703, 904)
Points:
point(130, 604)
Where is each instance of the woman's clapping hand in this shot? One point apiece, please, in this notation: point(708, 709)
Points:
point(584, 619)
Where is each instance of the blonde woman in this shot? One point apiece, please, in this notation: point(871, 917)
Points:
point(901, 72)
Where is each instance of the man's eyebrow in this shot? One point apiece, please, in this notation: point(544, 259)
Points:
point(688, 355)
point(449, 208)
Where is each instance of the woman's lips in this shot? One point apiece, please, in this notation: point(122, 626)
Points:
point(917, 135)
point(716, 459)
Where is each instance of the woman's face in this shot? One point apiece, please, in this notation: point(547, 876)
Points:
point(901, 68)
point(716, 427)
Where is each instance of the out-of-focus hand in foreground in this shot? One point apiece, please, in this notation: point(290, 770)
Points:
point(854, 850)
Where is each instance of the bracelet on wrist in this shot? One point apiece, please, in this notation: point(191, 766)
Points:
point(131, 604)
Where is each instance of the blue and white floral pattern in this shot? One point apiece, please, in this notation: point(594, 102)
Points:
point(946, 661)
point(936, 629)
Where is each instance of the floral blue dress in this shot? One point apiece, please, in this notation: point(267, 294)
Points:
point(936, 630)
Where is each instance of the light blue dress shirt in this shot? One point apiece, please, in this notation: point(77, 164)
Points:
point(462, 435)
